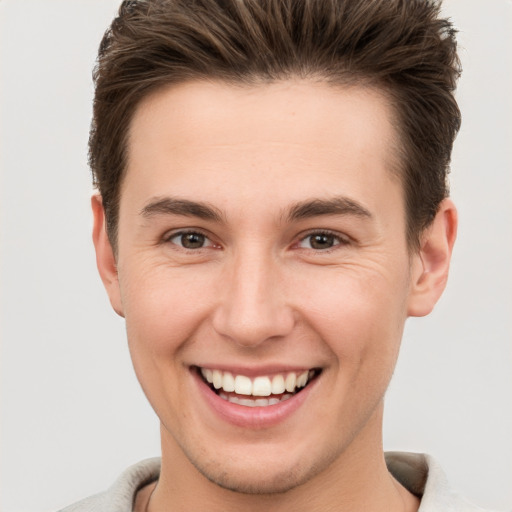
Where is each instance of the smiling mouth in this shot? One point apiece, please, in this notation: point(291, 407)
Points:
point(260, 391)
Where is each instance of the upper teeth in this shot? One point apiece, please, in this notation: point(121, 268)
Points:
point(257, 386)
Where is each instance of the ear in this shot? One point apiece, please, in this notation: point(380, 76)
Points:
point(105, 259)
point(430, 265)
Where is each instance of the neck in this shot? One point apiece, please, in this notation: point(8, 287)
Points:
point(358, 480)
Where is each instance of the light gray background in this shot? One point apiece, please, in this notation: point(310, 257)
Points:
point(72, 413)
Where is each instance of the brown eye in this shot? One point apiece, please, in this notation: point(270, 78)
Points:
point(320, 241)
point(190, 240)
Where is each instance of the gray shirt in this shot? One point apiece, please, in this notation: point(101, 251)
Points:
point(419, 473)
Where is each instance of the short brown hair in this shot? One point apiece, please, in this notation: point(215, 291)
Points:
point(400, 46)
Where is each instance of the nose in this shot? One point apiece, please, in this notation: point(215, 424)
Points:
point(252, 307)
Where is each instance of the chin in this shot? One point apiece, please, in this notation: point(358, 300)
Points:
point(265, 476)
point(257, 481)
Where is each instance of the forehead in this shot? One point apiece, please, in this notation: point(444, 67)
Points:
point(290, 137)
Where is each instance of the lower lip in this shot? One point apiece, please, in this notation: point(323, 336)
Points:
point(253, 417)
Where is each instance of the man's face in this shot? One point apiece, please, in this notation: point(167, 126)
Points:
point(262, 240)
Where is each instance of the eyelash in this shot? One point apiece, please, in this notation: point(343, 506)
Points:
point(339, 240)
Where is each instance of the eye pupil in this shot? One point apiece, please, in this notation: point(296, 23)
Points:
point(321, 241)
point(192, 240)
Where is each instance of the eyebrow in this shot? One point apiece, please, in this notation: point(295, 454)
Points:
point(301, 210)
point(174, 206)
point(333, 206)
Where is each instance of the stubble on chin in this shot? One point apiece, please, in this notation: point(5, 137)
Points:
point(261, 479)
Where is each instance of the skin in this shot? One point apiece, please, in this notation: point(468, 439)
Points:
point(260, 294)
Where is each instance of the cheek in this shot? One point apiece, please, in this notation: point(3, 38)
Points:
point(358, 315)
point(163, 309)
point(163, 304)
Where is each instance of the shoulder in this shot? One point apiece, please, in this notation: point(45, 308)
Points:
point(424, 477)
point(121, 495)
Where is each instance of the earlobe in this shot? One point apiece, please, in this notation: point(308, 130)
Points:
point(105, 258)
point(431, 263)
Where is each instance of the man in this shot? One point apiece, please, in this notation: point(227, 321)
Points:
point(272, 207)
